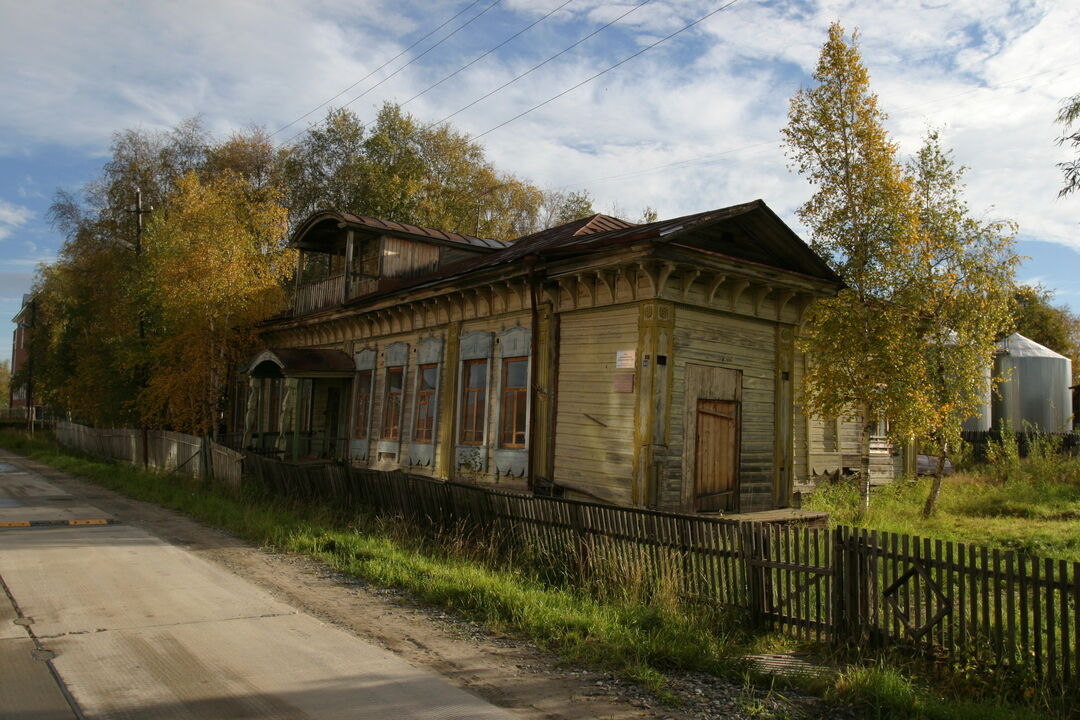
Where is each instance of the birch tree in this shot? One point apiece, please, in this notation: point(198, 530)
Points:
point(1069, 118)
point(862, 221)
point(216, 265)
point(958, 297)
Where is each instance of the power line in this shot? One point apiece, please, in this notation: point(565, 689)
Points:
point(481, 57)
point(710, 156)
point(607, 70)
point(324, 104)
point(667, 166)
point(540, 65)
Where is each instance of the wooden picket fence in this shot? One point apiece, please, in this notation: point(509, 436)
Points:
point(1012, 612)
point(165, 451)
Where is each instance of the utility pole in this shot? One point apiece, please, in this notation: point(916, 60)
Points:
point(139, 211)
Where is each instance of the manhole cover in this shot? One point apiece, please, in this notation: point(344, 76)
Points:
point(8, 467)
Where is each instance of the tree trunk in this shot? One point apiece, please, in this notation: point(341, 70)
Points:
point(864, 465)
point(935, 488)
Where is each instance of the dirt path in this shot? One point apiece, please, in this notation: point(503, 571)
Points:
point(506, 671)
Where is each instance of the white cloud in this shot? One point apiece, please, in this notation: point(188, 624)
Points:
point(716, 96)
point(11, 217)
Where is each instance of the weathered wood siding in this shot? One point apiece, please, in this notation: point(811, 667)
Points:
point(407, 258)
point(594, 440)
point(740, 343)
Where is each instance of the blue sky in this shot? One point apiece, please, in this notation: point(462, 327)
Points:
point(691, 125)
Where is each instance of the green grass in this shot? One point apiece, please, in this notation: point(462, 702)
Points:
point(640, 634)
point(1034, 508)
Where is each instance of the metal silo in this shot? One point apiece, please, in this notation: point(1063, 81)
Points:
point(980, 422)
point(1034, 387)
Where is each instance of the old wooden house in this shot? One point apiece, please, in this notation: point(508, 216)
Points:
point(648, 365)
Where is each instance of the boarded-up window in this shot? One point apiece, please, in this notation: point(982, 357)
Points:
point(828, 435)
point(427, 380)
point(363, 404)
point(514, 402)
point(473, 402)
point(392, 407)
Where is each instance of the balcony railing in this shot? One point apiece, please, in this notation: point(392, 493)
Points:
point(330, 292)
point(320, 294)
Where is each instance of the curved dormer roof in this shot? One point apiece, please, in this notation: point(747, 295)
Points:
point(324, 227)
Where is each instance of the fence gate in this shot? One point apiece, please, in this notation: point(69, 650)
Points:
point(790, 578)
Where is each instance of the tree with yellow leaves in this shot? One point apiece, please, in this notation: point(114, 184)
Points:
point(958, 296)
point(926, 290)
point(862, 221)
point(215, 265)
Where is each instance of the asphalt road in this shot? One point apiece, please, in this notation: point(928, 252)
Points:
point(100, 619)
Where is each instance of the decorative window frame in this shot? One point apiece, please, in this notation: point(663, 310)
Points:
point(396, 355)
point(428, 352)
point(360, 448)
point(513, 461)
point(475, 345)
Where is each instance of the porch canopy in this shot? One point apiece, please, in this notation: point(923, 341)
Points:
point(301, 362)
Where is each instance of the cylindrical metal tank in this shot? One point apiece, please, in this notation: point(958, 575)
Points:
point(981, 421)
point(1034, 387)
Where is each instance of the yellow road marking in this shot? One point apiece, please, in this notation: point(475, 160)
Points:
point(15, 523)
point(88, 522)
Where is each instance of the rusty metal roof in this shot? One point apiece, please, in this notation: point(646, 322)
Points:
point(750, 232)
point(756, 234)
point(394, 228)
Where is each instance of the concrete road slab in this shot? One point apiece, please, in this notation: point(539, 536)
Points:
point(86, 579)
point(139, 628)
point(8, 628)
point(27, 688)
point(286, 667)
point(27, 497)
point(19, 483)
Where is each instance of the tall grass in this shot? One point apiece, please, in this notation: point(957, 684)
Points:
point(1030, 505)
point(620, 619)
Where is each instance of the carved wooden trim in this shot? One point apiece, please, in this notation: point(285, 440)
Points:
point(666, 268)
point(715, 282)
point(760, 294)
point(782, 299)
point(568, 286)
point(737, 289)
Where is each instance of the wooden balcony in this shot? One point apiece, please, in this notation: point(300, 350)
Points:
point(319, 295)
point(330, 292)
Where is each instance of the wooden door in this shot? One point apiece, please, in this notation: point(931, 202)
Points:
point(330, 421)
point(716, 461)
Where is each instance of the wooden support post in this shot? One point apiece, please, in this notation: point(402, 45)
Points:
point(783, 417)
point(655, 355)
point(447, 403)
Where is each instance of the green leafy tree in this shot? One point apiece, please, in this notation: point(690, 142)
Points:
point(1053, 325)
point(957, 296)
point(5, 383)
point(1069, 116)
point(400, 169)
point(863, 222)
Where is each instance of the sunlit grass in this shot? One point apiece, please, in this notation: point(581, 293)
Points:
point(1034, 509)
